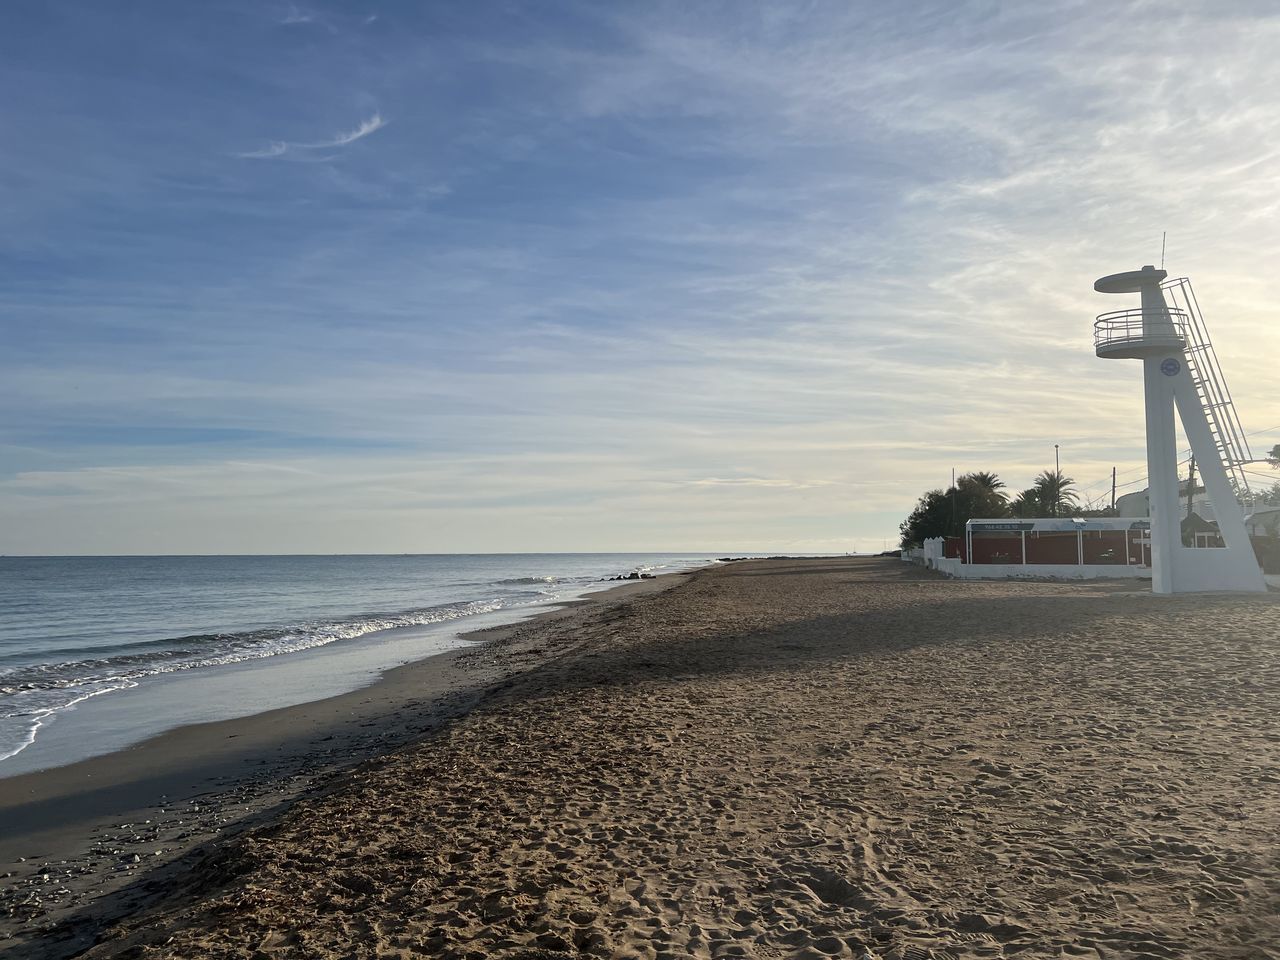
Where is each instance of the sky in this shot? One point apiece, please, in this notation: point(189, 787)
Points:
point(495, 276)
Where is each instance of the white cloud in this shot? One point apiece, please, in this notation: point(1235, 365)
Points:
point(290, 149)
point(276, 149)
point(297, 16)
point(372, 125)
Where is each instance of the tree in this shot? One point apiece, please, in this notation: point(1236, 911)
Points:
point(930, 518)
point(1053, 490)
point(1027, 504)
point(978, 496)
point(943, 513)
point(1273, 456)
point(987, 481)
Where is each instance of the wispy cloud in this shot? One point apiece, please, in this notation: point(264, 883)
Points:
point(754, 482)
point(276, 149)
point(296, 150)
point(372, 125)
point(296, 15)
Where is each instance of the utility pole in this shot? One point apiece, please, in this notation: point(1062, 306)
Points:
point(1113, 491)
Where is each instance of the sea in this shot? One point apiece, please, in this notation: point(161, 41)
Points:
point(97, 653)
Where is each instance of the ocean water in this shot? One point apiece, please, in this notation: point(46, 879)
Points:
point(74, 629)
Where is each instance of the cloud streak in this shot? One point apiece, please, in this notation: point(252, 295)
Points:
point(372, 125)
point(278, 149)
point(296, 16)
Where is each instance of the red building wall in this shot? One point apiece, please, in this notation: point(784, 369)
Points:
point(989, 548)
point(1100, 547)
point(1105, 546)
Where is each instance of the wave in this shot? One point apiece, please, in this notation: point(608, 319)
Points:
point(206, 649)
point(29, 695)
point(99, 657)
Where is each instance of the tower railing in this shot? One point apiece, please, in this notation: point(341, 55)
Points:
point(1211, 385)
point(1121, 328)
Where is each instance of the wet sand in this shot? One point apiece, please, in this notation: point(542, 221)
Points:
point(821, 758)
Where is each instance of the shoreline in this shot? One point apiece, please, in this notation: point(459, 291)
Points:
point(171, 795)
point(160, 665)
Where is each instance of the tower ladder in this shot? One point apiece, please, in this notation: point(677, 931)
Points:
point(1211, 386)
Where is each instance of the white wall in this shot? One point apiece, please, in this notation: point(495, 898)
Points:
point(933, 550)
point(1133, 505)
point(1015, 571)
point(1213, 569)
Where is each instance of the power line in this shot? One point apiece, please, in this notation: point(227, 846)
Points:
point(1086, 490)
point(1107, 480)
point(1143, 478)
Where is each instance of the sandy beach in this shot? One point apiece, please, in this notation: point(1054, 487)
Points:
point(92, 841)
point(786, 758)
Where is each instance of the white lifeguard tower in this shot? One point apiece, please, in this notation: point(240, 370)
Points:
point(1180, 368)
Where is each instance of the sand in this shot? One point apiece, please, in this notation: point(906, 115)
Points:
point(87, 843)
point(798, 759)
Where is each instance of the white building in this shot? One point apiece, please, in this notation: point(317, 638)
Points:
point(1259, 519)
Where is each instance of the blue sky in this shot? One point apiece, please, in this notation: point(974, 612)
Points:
point(578, 276)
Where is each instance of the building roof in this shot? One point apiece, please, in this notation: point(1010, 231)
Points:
point(1059, 524)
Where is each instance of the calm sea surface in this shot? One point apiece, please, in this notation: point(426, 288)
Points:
point(74, 628)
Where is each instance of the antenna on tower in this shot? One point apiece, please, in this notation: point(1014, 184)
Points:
point(1163, 234)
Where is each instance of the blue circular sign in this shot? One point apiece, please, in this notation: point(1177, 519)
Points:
point(1171, 367)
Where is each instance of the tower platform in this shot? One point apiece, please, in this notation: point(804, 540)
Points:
point(1137, 334)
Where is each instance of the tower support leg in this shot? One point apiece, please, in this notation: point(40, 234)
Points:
point(1162, 476)
point(1237, 567)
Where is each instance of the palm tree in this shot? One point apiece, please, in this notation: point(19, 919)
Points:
point(1053, 490)
point(979, 496)
point(988, 483)
point(1026, 504)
